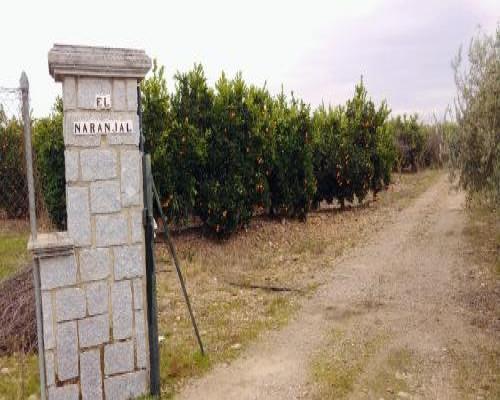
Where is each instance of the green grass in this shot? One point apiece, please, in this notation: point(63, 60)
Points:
point(18, 377)
point(13, 252)
point(338, 374)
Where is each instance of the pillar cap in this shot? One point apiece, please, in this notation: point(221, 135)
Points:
point(71, 60)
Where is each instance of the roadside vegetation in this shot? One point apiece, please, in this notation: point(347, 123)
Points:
point(475, 166)
point(13, 247)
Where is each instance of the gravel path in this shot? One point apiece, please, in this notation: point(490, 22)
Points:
point(400, 287)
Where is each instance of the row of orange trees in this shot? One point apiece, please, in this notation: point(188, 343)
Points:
point(224, 153)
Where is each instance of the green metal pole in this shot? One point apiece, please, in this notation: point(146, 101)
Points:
point(152, 315)
point(178, 268)
point(154, 354)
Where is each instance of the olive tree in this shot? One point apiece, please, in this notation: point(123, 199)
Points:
point(475, 148)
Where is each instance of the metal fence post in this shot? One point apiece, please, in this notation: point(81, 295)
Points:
point(24, 86)
point(154, 355)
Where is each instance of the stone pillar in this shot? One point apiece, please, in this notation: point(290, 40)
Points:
point(93, 276)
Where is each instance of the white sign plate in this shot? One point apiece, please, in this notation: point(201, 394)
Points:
point(103, 101)
point(103, 127)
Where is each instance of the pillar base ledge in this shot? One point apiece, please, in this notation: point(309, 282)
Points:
point(51, 244)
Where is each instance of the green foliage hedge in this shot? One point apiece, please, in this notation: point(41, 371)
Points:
point(155, 104)
point(410, 140)
point(12, 168)
point(48, 146)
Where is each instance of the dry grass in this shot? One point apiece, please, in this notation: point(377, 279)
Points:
point(17, 314)
point(479, 285)
point(478, 369)
point(483, 234)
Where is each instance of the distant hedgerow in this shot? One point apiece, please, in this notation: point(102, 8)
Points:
point(13, 196)
point(48, 144)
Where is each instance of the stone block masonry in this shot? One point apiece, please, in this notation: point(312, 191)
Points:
point(93, 276)
point(67, 350)
point(78, 210)
point(121, 302)
point(91, 375)
point(93, 331)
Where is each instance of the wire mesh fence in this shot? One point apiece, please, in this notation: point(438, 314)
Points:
point(18, 337)
point(15, 274)
point(18, 327)
point(13, 183)
point(14, 203)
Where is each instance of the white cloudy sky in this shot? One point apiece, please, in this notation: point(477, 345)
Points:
point(318, 49)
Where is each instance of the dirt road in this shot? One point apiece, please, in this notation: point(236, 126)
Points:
point(387, 322)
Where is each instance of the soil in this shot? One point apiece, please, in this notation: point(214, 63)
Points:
point(392, 318)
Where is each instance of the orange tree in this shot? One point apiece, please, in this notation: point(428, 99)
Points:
point(327, 153)
point(230, 182)
point(180, 154)
point(353, 149)
point(357, 139)
point(291, 179)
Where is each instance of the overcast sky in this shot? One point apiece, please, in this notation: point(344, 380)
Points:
point(318, 49)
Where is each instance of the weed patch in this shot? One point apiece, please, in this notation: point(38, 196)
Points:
point(337, 370)
point(18, 376)
point(13, 252)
